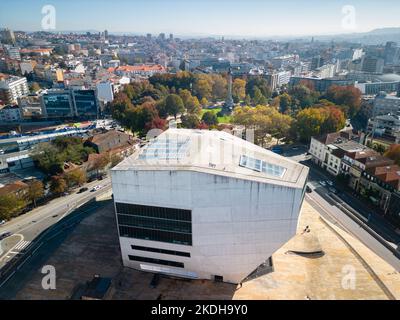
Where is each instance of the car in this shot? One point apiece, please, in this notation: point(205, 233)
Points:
point(5, 235)
point(295, 148)
point(322, 183)
point(95, 188)
point(308, 189)
point(2, 222)
point(55, 216)
point(83, 189)
point(329, 183)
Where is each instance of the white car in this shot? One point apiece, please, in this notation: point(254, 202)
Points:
point(322, 183)
point(95, 188)
point(329, 182)
point(2, 222)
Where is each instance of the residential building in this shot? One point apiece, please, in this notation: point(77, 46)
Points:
point(277, 79)
point(138, 70)
point(385, 127)
point(104, 142)
point(30, 107)
point(328, 150)
point(378, 183)
point(205, 205)
point(373, 88)
point(11, 88)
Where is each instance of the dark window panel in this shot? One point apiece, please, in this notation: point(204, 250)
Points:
point(157, 261)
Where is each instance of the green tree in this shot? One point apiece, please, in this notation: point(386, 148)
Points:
point(285, 102)
point(174, 105)
point(10, 206)
point(35, 191)
point(190, 121)
point(210, 118)
point(258, 97)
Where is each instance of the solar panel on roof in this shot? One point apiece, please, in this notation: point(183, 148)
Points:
point(165, 149)
point(261, 166)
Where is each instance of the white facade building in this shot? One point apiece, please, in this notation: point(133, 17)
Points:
point(13, 87)
point(205, 204)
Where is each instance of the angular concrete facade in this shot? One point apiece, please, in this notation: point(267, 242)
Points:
point(238, 217)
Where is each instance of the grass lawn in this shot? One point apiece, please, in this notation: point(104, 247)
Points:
point(224, 119)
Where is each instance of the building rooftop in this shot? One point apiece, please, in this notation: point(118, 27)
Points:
point(218, 153)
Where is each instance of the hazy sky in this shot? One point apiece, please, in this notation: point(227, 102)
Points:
point(253, 18)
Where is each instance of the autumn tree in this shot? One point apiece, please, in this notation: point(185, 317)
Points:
point(394, 153)
point(238, 89)
point(349, 96)
point(75, 177)
point(264, 120)
point(58, 185)
point(203, 87)
point(35, 191)
point(191, 103)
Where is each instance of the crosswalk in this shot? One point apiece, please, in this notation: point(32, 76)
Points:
point(21, 245)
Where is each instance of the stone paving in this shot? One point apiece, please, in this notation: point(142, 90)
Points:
point(93, 248)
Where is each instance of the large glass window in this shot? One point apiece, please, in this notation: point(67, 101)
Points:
point(157, 261)
point(155, 235)
point(155, 223)
point(163, 251)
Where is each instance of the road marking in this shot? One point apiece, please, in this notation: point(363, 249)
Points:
point(21, 245)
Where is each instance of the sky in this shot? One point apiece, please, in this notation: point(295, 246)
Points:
point(242, 18)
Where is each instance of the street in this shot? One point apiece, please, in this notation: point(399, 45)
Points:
point(28, 226)
point(347, 212)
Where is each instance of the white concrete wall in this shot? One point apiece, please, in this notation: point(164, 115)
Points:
point(236, 224)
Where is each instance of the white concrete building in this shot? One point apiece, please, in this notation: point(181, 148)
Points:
point(13, 87)
point(205, 204)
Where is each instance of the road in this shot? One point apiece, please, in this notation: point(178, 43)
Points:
point(345, 211)
point(27, 227)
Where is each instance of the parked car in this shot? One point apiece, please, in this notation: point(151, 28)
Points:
point(83, 189)
point(308, 189)
point(322, 183)
point(2, 222)
point(329, 182)
point(5, 235)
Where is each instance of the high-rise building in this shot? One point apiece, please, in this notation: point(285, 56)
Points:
point(205, 205)
point(171, 37)
point(161, 36)
point(372, 64)
point(7, 36)
point(106, 34)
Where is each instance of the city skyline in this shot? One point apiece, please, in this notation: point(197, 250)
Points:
point(207, 18)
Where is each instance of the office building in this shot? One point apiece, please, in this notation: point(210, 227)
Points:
point(385, 104)
point(385, 127)
point(372, 64)
point(205, 205)
point(57, 103)
point(7, 36)
point(85, 103)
